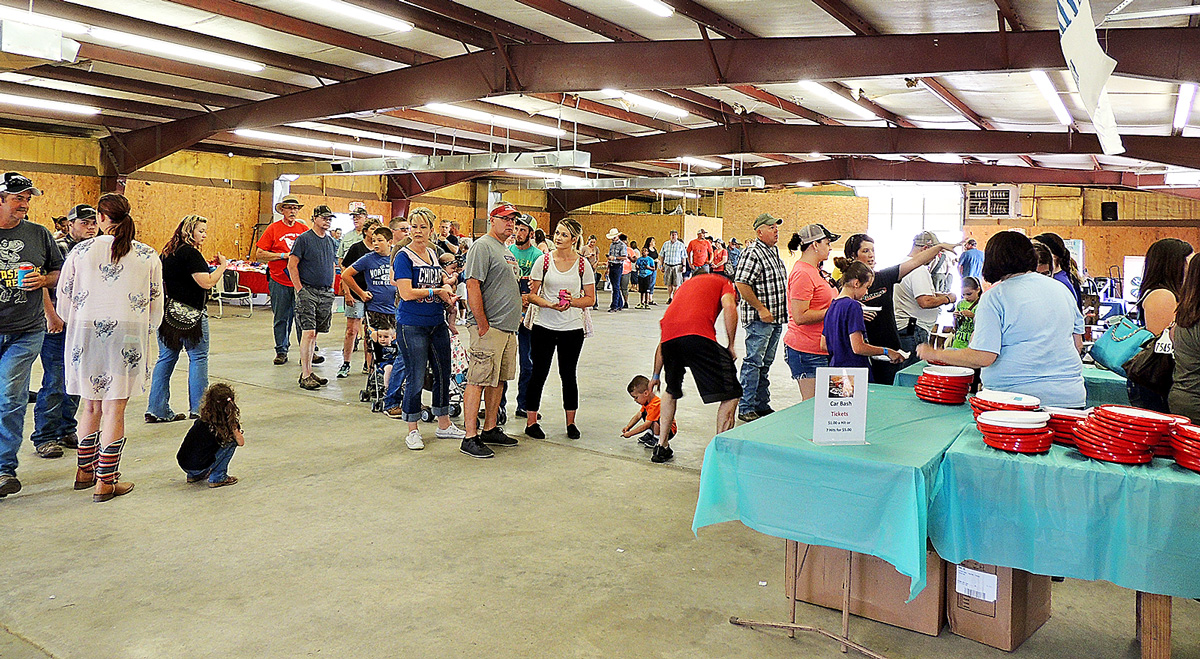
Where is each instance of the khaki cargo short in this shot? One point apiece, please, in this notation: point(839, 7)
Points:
point(491, 358)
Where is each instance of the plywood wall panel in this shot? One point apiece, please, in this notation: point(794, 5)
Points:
point(840, 214)
point(159, 207)
point(637, 227)
point(1104, 246)
point(59, 193)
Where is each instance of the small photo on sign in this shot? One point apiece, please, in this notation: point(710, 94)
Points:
point(841, 386)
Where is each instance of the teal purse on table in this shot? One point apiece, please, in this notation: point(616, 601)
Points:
point(1119, 344)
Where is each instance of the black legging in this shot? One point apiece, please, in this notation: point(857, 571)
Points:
point(543, 342)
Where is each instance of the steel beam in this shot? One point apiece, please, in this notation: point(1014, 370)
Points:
point(133, 86)
point(847, 17)
point(785, 105)
point(544, 120)
point(791, 138)
point(1160, 53)
point(478, 19)
point(74, 12)
point(583, 19)
point(708, 18)
point(298, 27)
point(91, 51)
point(605, 110)
point(431, 21)
point(1009, 13)
point(498, 134)
point(956, 104)
point(865, 169)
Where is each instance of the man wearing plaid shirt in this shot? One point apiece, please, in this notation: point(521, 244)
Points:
point(761, 281)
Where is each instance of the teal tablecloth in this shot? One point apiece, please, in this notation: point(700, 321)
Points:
point(1066, 515)
point(1103, 387)
point(871, 499)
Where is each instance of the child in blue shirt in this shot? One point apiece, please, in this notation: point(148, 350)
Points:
point(843, 336)
point(645, 270)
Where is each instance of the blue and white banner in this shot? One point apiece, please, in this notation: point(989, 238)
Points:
point(1091, 67)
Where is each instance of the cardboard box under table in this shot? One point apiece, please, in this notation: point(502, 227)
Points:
point(1103, 387)
point(997, 606)
point(1061, 513)
point(870, 499)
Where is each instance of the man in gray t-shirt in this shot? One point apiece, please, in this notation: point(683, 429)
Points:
point(29, 262)
point(311, 269)
point(494, 301)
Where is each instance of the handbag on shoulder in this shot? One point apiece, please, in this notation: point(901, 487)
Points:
point(1153, 366)
point(181, 322)
point(1119, 344)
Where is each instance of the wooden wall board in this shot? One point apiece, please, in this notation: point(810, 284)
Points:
point(1138, 205)
point(1104, 246)
point(637, 227)
point(60, 192)
point(39, 147)
point(843, 215)
point(159, 207)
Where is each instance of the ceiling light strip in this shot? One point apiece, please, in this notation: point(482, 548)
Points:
point(656, 7)
point(1051, 95)
point(819, 90)
point(646, 103)
point(363, 14)
point(42, 104)
point(1183, 105)
point(489, 118)
point(319, 144)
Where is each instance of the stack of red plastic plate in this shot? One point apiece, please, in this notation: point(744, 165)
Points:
point(1063, 421)
point(1118, 433)
point(1185, 440)
point(1164, 449)
point(1016, 432)
point(989, 400)
point(944, 384)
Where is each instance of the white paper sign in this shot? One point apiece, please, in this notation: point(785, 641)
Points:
point(976, 584)
point(1091, 67)
point(840, 415)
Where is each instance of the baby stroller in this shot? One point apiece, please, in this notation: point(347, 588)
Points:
point(376, 389)
point(458, 380)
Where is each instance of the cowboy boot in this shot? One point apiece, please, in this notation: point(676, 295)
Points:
point(107, 485)
point(89, 448)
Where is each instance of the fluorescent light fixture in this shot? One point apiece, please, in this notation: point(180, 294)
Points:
point(318, 144)
point(803, 184)
point(489, 118)
point(1183, 106)
point(645, 103)
point(41, 20)
point(697, 162)
point(675, 193)
point(173, 49)
point(1190, 178)
point(815, 154)
point(363, 14)
point(1051, 95)
point(655, 7)
point(1189, 131)
point(348, 132)
point(817, 89)
point(23, 101)
point(1191, 10)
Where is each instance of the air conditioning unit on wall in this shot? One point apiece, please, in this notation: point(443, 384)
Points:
point(991, 202)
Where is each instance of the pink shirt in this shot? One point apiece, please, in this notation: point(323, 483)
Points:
point(806, 284)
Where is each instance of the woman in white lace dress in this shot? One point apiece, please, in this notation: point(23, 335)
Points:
point(110, 295)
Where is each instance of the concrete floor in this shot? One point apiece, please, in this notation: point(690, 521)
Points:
point(340, 542)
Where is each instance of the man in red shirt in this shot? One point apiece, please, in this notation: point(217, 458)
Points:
point(700, 253)
point(273, 249)
point(689, 341)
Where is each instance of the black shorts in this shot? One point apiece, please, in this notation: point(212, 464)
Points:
point(711, 365)
point(644, 284)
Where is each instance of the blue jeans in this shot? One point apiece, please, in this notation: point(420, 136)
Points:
point(283, 308)
point(909, 342)
point(614, 278)
point(525, 360)
point(762, 342)
point(54, 413)
point(17, 352)
point(220, 466)
point(160, 382)
point(804, 364)
point(394, 397)
point(426, 345)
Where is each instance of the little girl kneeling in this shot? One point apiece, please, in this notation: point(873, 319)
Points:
point(209, 445)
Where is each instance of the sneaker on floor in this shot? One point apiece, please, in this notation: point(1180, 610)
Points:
point(572, 431)
point(197, 479)
point(396, 413)
point(414, 441)
point(661, 454)
point(320, 380)
point(366, 369)
point(49, 449)
point(648, 440)
point(453, 432)
point(280, 358)
point(9, 485)
point(535, 431)
point(69, 441)
point(470, 446)
point(748, 416)
point(318, 359)
point(344, 370)
point(496, 437)
point(310, 383)
point(229, 480)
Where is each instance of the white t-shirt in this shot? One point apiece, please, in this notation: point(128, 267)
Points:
point(553, 281)
point(915, 284)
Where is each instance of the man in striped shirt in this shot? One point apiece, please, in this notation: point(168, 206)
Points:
point(673, 254)
point(761, 281)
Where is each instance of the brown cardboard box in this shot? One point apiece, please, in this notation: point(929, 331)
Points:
point(877, 591)
point(1020, 605)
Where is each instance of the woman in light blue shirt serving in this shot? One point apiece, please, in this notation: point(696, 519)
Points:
point(1028, 331)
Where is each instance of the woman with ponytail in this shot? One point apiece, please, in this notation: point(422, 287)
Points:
point(110, 295)
point(881, 325)
point(809, 294)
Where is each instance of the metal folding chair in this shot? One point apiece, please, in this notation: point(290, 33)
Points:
point(230, 289)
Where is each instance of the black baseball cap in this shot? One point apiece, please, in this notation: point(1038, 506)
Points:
point(81, 212)
point(322, 211)
point(16, 183)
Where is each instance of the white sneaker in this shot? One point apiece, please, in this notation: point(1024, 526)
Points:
point(414, 441)
point(453, 432)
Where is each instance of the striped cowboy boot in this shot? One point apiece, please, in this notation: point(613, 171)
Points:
point(89, 446)
point(107, 486)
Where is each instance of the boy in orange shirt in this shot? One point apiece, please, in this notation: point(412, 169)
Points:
point(639, 390)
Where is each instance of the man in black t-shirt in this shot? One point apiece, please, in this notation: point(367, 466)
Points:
point(29, 261)
point(355, 307)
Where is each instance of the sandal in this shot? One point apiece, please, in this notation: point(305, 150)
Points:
point(229, 480)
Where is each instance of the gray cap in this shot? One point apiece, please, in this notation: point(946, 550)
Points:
point(766, 219)
point(925, 239)
point(81, 212)
point(811, 233)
